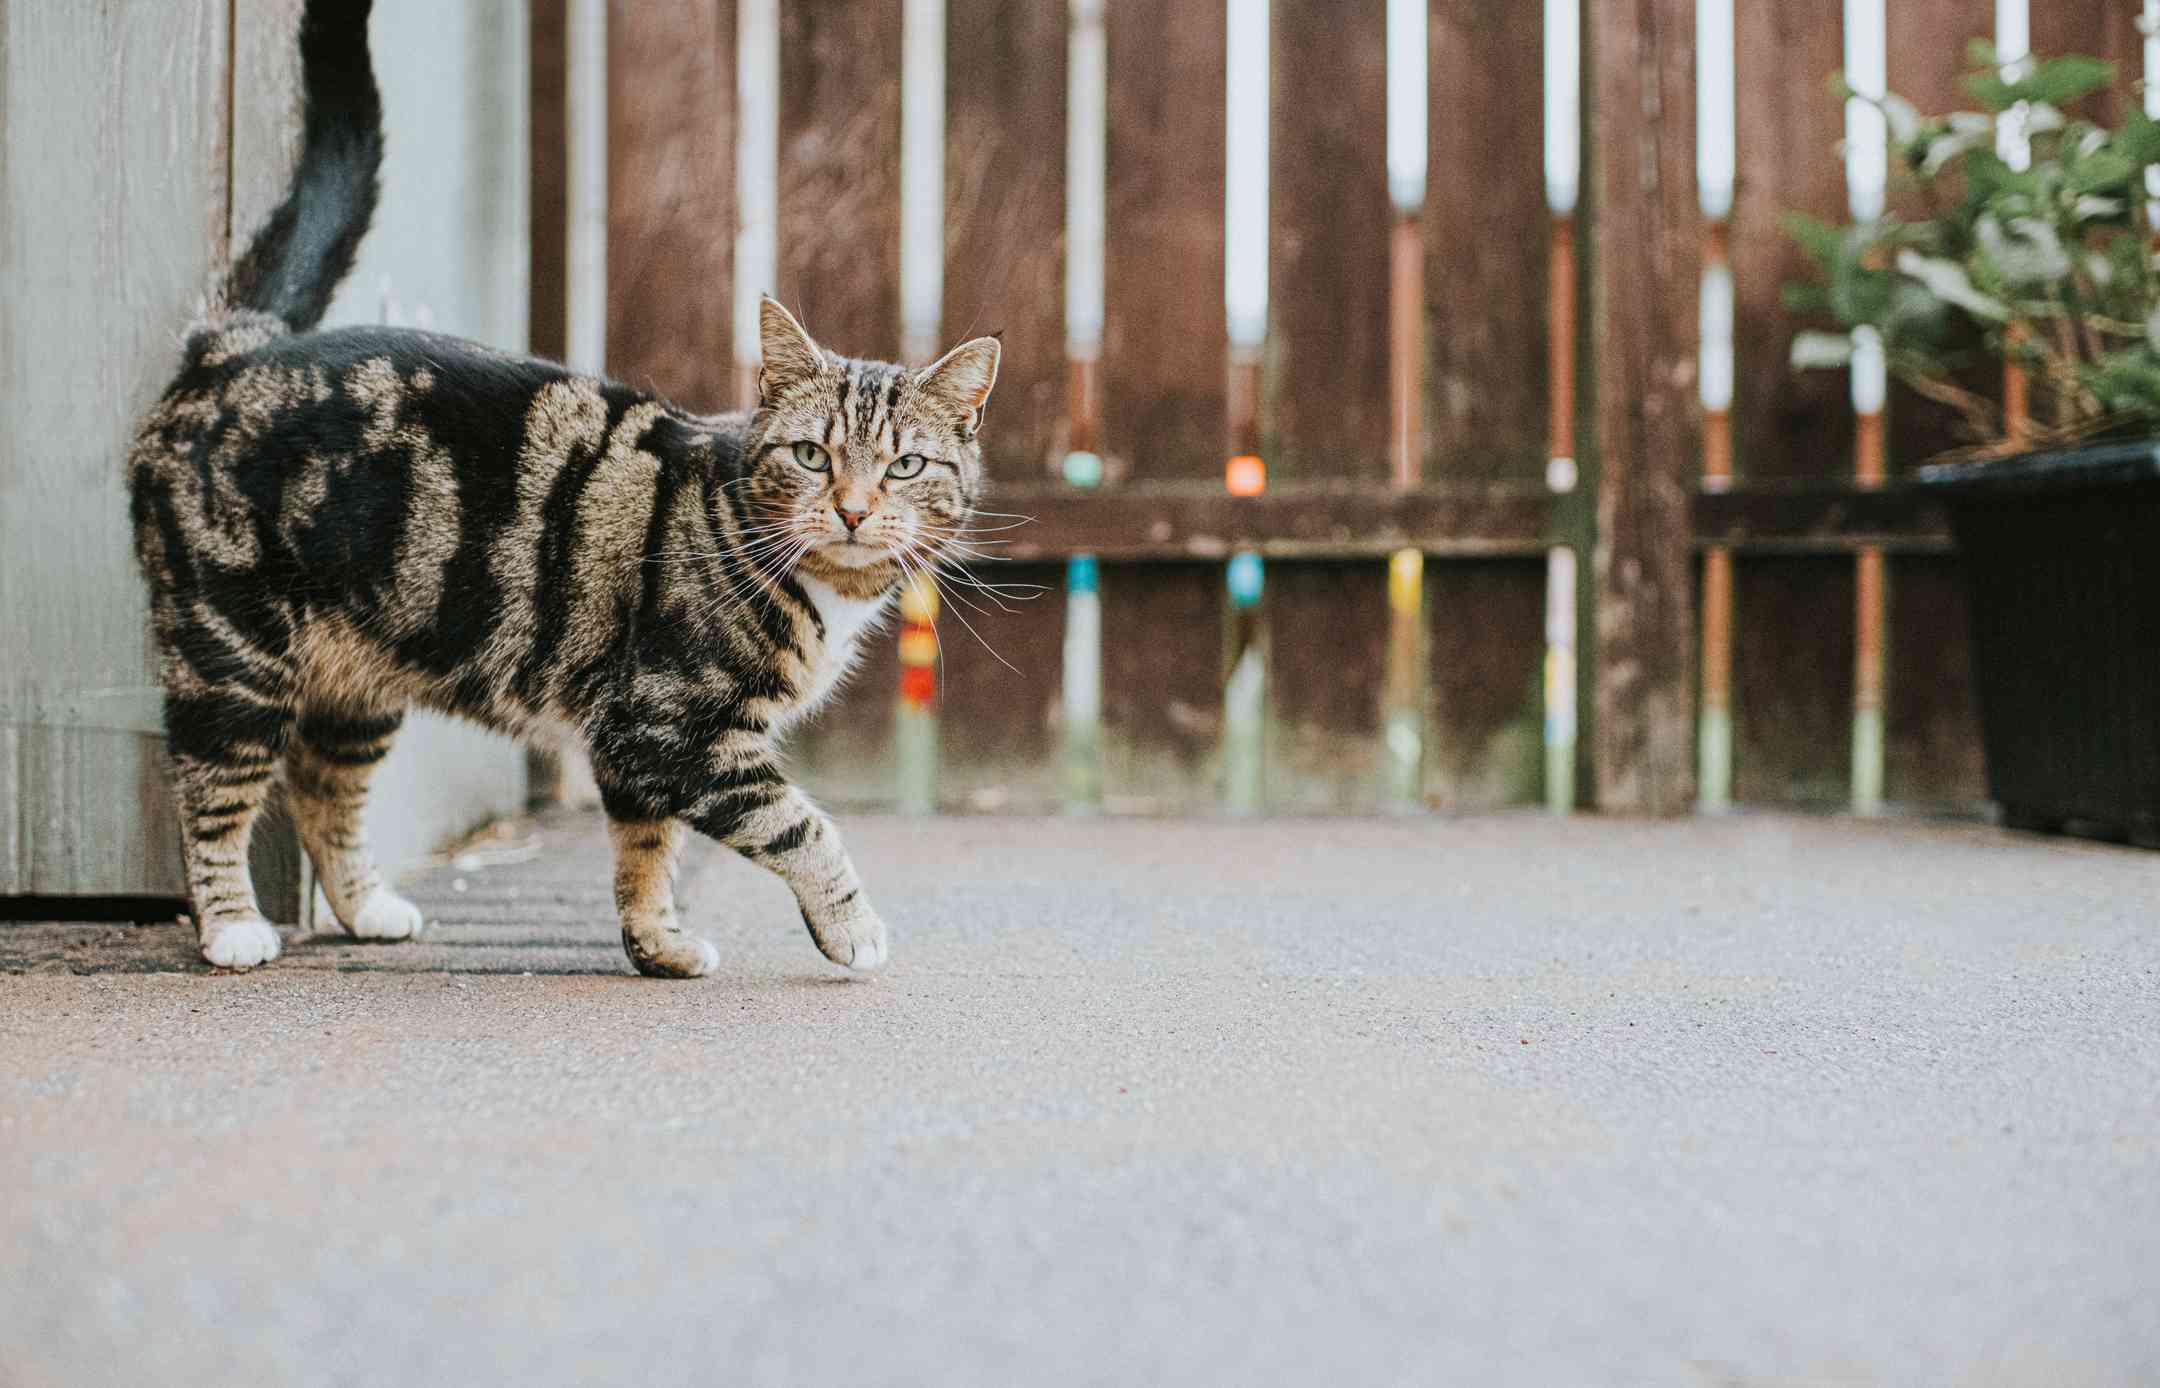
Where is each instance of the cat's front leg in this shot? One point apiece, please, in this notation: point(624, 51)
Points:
point(759, 815)
point(645, 855)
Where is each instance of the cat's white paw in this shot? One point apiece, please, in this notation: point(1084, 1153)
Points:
point(669, 952)
point(386, 916)
point(241, 944)
point(857, 941)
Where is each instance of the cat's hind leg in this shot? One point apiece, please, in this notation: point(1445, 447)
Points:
point(225, 745)
point(332, 755)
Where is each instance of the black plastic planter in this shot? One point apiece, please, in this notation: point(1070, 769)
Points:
point(2062, 562)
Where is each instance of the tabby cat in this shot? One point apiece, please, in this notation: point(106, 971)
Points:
point(336, 525)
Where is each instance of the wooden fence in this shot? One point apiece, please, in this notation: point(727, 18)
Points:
point(1477, 381)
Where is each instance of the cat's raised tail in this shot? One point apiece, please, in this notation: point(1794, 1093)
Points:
point(296, 260)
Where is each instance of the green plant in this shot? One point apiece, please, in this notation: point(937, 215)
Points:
point(2050, 265)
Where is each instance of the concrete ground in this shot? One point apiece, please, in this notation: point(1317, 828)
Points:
point(1490, 1101)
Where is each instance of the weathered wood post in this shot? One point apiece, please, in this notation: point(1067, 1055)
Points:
point(1642, 330)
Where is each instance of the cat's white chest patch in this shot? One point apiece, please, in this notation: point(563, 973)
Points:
point(845, 619)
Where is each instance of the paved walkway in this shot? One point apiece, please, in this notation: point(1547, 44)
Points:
point(1488, 1101)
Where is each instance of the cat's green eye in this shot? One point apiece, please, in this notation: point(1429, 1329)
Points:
point(906, 466)
point(812, 457)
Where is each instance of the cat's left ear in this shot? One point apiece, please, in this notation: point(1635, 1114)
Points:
point(961, 379)
point(791, 355)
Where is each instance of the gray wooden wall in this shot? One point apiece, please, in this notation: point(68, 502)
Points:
point(138, 138)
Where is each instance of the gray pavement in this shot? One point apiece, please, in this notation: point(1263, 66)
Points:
point(1488, 1101)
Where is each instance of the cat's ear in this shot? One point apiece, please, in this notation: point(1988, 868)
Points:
point(792, 356)
point(961, 379)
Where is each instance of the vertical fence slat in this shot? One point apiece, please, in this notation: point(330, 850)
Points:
point(547, 196)
point(1162, 685)
point(1642, 326)
point(1485, 261)
point(1793, 680)
point(1327, 381)
point(671, 158)
point(1327, 663)
point(1164, 411)
point(1926, 58)
point(1164, 405)
point(1005, 215)
point(1931, 752)
point(1786, 423)
point(1485, 647)
point(839, 223)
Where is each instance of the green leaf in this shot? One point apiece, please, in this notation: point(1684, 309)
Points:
point(1990, 90)
point(2139, 139)
point(2063, 81)
point(1803, 297)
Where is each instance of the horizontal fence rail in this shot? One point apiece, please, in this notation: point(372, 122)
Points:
point(1345, 432)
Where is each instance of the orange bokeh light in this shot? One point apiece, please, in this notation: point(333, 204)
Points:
point(1246, 475)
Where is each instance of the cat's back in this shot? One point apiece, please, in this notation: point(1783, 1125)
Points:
point(324, 452)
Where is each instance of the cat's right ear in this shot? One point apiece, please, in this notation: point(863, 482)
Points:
point(792, 356)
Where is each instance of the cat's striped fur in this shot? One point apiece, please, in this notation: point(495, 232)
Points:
point(337, 525)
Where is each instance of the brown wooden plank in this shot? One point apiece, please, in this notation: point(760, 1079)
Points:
point(1927, 41)
point(1643, 333)
point(998, 735)
point(1818, 517)
point(1164, 409)
point(1162, 686)
point(1484, 729)
point(1793, 680)
point(1486, 244)
point(1932, 754)
point(1327, 384)
point(547, 194)
point(671, 208)
point(1005, 216)
point(1197, 521)
point(1786, 423)
point(1930, 732)
point(1327, 645)
point(1927, 48)
point(2089, 27)
point(840, 171)
point(2122, 45)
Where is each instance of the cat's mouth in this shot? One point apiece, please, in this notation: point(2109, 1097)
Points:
point(854, 552)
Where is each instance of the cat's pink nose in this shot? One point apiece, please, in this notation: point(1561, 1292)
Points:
point(850, 519)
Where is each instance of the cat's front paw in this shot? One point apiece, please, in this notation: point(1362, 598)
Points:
point(242, 944)
point(856, 940)
point(668, 951)
point(385, 916)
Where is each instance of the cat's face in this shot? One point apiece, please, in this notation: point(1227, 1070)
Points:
point(863, 466)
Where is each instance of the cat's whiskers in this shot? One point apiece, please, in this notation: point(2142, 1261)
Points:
point(920, 567)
